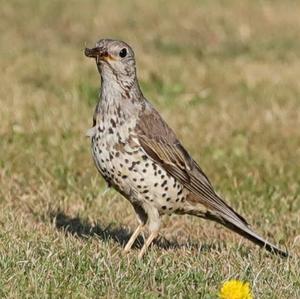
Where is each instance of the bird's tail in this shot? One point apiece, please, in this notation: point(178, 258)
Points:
point(243, 230)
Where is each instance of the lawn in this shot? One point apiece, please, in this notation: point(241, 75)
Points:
point(224, 74)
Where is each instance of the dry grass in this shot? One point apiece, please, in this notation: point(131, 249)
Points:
point(229, 73)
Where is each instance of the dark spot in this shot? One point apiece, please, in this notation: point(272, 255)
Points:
point(156, 184)
point(168, 199)
point(164, 183)
point(126, 161)
point(134, 179)
point(110, 156)
point(110, 131)
point(154, 166)
point(145, 191)
point(133, 164)
point(121, 165)
point(164, 195)
point(139, 186)
point(166, 188)
point(144, 170)
point(102, 160)
point(159, 171)
point(117, 154)
point(162, 176)
point(170, 209)
point(164, 207)
point(147, 164)
point(113, 123)
point(179, 192)
point(147, 197)
point(119, 111)
point(144, 157)
point(124, 176)
point(177, 199)
point(142, 179)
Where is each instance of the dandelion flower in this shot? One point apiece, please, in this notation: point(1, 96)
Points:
point(235, 289)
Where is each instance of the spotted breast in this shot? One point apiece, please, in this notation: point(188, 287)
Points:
point(125, 166)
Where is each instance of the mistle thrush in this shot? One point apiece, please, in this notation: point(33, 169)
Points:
point(138, 154)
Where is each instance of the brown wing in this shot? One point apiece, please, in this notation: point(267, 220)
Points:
point(161, 144)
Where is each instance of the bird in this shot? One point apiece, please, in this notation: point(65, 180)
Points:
point(139, 155)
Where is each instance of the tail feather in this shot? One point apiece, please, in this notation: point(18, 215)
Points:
point(243, 230)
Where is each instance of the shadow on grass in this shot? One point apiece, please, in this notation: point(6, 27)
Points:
point(83, 229)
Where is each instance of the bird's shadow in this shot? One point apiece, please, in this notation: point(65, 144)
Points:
point(83, 229)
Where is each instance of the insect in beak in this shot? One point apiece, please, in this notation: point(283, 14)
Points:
point(97, 53)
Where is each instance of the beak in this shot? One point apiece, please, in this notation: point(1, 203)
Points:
point(97, 53)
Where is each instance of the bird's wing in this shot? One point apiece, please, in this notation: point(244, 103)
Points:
point(161, 144)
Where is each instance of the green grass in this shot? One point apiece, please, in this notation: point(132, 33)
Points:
point(226, 78)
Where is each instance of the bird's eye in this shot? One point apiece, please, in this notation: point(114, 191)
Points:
point(123, 52)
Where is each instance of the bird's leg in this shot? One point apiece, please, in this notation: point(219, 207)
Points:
point(133, 237)
point(142, 219)
point(152, 236)
point(154, 225)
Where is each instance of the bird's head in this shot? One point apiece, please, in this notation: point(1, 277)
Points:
point(115, 60)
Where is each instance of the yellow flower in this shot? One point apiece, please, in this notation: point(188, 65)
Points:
point(235, 289)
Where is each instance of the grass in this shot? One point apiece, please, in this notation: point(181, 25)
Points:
point(226, 78)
